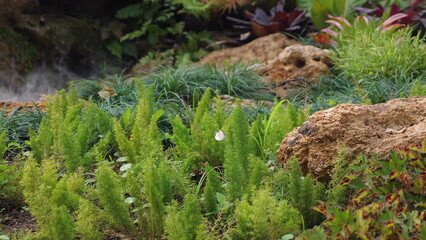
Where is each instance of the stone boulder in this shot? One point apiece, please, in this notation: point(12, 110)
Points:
point(361, 129)
point(296, 66)
point(259, 50)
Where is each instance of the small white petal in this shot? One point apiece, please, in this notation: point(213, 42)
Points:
point(125, 167)
point(219, 136)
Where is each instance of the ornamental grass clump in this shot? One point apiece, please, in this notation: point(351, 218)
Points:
point(189, 83)
point(365, 53)
point(267, 132)
point(19, 121)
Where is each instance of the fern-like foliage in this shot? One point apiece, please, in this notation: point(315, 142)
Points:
point(88, 221)
point(304, 193)
point(265, 218)
point(183, 224)
point(197, 144)
point(130, 11)
point(151, 17)
point(42, 140)
point(206, 122)
point(3, 147)
point(145, 138)
point(67, 191)
point(236, 153)
point(258, 171)
point(213, 186)
point(155, 200)
point(64, 224)
point(337, 193)
point(197, 8)
point(42, 193)
point(69, 131)
point(191, 214)
point(184, 146)
point(112, 199)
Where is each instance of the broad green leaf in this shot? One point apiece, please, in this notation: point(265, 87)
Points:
point(129, 200)
point(114, 47)
point(121, 159)
point(304, 4)
point(157, 115)
point(4, 237)
point(319, 14)
point(125, 167)
point(287, 237)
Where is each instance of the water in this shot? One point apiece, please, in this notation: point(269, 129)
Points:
point(42, 81)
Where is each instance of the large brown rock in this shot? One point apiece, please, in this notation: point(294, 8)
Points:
point(301, 65)
point(259, 50)
point(361, 129)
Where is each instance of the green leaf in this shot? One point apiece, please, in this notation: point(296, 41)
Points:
point(319, 13)
point(90, 180)
point(304, 4)
point(221, 198)
point(129, 200)
point(129, 49)
point(287, 237)
point(344, 8)
point(157, 115)
point(125, 167)
point(130, 11)
point(114, 47)
point(4, 237)
point(121, 159)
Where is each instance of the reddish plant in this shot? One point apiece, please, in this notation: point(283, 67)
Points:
point(263, 24)
point(413, 16)
point(388, 200)
point(341, 23)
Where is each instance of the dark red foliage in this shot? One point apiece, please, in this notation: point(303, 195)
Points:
point(278, 21)
point(413, 17)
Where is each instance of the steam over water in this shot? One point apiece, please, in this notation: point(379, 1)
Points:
point(42, 81)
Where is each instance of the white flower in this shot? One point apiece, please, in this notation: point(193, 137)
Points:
point(219, 136)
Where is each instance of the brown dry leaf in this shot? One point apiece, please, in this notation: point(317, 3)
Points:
point(107, 93)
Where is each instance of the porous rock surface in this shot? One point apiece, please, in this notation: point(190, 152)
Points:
point(261, 49)
point(361, 129)
point(303, 62)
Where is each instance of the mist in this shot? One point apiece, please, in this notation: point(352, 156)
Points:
point(42, 81)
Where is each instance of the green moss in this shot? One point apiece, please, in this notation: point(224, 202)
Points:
point(24, 53)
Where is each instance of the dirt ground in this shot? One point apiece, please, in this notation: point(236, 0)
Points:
point(14, 217)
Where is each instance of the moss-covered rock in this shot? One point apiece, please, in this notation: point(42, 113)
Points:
point(18, 55)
